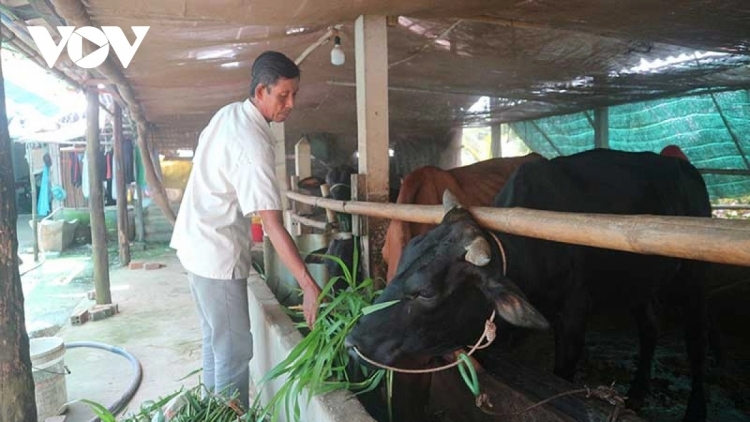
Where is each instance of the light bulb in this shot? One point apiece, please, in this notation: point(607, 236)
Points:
point(337, 53)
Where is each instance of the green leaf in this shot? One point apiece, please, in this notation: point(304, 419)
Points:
point(378, 306)
point(100, 411)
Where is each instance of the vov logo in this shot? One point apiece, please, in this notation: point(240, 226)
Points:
point(73, 38)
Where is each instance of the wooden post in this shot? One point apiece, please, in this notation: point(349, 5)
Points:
point(601, 127)
point(371, 54)
point(496, 140)
point(96, 201)
point(325, 192)
point(122, 198)
point(302, 158)
point(292, 225)
point(281, 171)
point(32, 180)
point(302, 169)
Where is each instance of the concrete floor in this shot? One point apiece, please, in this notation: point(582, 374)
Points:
point(157, 324)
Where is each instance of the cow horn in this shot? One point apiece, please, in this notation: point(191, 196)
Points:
point(450, 201)
point(478, 252)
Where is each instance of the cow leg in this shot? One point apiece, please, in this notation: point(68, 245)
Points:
point(695, 339)
point(570, 328)
point(648, 332)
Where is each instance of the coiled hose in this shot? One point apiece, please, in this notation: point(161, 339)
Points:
point(120, 404)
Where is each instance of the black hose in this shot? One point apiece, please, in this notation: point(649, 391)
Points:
point(120, 404)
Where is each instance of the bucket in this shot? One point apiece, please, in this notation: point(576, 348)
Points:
point(256, 229)
point(281, 282)
point(48, 369)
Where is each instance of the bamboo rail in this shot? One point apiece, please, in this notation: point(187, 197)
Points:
point(322, 225)
point(707, 239)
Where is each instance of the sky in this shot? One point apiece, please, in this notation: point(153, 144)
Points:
point(35, 96)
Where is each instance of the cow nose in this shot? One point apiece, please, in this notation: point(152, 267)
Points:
point(348, 343)
point(353, 355)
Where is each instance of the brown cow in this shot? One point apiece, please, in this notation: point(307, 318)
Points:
point(474, 185)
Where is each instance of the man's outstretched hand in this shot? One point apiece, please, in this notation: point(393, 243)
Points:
point(310, 304)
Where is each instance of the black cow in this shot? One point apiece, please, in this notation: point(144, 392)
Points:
point(342, 244)
point(450, 279)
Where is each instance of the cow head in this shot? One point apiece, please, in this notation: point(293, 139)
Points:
point(447, 283)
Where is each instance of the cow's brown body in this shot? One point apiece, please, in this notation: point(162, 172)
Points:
point(474, 185)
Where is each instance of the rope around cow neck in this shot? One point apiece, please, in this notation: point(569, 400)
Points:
point(489, 334)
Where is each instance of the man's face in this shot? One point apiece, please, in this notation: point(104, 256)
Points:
point(276, 104)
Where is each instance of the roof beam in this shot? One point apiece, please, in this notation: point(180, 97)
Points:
point(74, 12)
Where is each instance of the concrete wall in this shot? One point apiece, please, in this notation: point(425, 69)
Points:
point(274, 336)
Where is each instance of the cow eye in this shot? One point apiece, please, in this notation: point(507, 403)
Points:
point(427, 293)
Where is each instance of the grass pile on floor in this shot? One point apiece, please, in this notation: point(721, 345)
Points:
point(319, 363)
point(184, 406)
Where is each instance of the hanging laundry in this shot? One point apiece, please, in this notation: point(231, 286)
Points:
point(75, 169)
point(108, 159)
point(139, 169)
point(42, 206)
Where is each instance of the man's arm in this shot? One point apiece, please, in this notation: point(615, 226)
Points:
point(287, 251)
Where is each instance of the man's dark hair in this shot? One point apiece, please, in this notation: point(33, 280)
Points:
point(269, 67)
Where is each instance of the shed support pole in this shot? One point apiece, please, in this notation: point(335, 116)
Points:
point(96, 200)
point(123, 239)
point(281, 172)
point(497, 132)
point(32, 179)
point(371, 58)
point(601, 127)
point(302, 169)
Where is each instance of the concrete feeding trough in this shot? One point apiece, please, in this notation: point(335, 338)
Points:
point(275, 335)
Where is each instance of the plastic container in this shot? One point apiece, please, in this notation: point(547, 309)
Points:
point(48, 369)
point(256, 229)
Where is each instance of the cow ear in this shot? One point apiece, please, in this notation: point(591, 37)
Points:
point(478, 252)
point(310, 183)
point(518, 311)
point(511, 304)
point(450, 200)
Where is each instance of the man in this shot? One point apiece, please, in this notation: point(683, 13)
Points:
point(233, 176)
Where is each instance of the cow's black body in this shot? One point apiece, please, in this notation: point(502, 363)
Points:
point(444, 299)
point(343, 245)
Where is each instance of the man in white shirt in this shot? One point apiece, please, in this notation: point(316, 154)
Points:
point(233, 176)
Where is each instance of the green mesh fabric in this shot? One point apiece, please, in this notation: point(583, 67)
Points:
point(713, 130)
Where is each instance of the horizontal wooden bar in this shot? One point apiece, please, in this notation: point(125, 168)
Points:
point(731, 172)
point(708, 239)
point(310, 222)
point(730, 206)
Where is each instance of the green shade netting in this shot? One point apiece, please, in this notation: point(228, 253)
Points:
point(713, 130)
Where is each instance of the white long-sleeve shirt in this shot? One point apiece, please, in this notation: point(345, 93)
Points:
point(233, 176)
